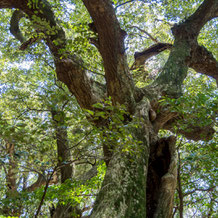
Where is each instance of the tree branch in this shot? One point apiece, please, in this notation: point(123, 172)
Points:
point(14, 25)
point(202, 61)
point(148, 34)
point(124, 3)
point(111, 46)
point(68, 66)
point(186, 33)
point(196, 133)
point(141, 57)
point(193, 24)
point(200, 190)
point(45, 190)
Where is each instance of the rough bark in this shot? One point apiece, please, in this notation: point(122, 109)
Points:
point(123, 192)
point(184, 49)
point(111, 46)
point(63, 152)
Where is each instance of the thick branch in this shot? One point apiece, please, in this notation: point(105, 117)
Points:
point(175, 122)
point(207, 11)
point(141, 57)
point(202, 61)
point(14, 25)
point(68, 66)
point(186, 33)
point(111, 46)
point(196, 133)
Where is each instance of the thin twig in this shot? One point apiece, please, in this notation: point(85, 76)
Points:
point(148, 34)
point(45, 190)
point(124, 3)
point(32, 170)
point(78, 143)
point(201, 190)
point(166, 22)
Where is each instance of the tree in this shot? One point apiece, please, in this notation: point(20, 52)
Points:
point(141, 173)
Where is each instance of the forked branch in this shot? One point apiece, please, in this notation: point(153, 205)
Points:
point(185, 48)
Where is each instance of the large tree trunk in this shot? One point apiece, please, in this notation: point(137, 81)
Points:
point(123, 192)
point(139, 182)
point(138, 186)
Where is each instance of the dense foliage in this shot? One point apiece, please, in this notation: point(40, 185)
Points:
point(34, 105)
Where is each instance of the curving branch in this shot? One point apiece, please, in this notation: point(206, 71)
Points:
point(203, 61)
point(175, 122)
point(111, 46)
point(186, 48)
point(14, 25)
point(69, 68)
point(196, 133)
point(124, 3)
point(148, 34)
point(193, 24)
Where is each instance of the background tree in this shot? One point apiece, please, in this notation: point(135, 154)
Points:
point(127, 106)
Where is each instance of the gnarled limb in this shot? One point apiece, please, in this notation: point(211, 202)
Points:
point(14, 25)
point(196, 133)
point(165, 119)
point(68, 66)
point(111, 46)
point(202, 61)
point(186, 33)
